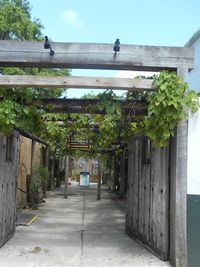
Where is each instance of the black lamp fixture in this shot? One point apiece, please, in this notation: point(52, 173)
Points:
point(47, 45)
point(116, 46)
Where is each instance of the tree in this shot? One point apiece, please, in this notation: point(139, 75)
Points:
point(15, 104)
point(16, 23)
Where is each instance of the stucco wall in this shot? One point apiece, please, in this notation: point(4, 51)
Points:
point(194, 75)
point(194, 153)
point(25, 167)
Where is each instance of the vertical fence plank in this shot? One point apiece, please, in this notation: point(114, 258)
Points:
point(146, 212)
point(1, 190)
point(8, 178)
point(148, 197)
point(141, 193)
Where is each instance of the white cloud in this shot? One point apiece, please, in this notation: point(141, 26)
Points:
point(70, 17)
point(133, 74)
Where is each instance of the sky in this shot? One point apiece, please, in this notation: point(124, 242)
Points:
point(141, 22)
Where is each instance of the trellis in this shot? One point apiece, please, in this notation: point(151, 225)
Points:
point(130, 57)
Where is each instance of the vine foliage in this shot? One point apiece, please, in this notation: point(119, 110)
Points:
point(169, 104)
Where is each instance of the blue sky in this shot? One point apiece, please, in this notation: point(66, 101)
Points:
point(143, 22)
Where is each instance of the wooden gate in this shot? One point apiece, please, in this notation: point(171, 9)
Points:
point(8, 177)
point(147, 218)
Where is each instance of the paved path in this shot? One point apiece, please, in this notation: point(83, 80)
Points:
point(77, 232)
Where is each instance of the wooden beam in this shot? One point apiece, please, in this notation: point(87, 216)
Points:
point(94, 56)
point(24, 81)
point(88, 106)
point(31, 136)
point(74, 102)
point(178, 197)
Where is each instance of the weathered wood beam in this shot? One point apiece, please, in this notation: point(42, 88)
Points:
point(31, 136)
point(88, 106)
point(94, 56)
point(95, 111)
point(67, 110)
point(24, 81)
point(178, 192)
point(75, 102)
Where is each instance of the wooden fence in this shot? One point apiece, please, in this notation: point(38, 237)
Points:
point(147, 218)
point(8, 177)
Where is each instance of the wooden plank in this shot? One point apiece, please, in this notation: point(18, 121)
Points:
point(1, 189)
point(4, 185)
point(8, 176)
point(94, 56)
point(132, 173)
point(173, 199)
point(15, 177)
point(24, 81)
point(128, 193)
point(149, 199)
point(164, 213)
point(131, 164)
point(146, 225)
point(141, 182)
point(152, 203)
point(136, 187)
point(129, 212)
point(160, 200)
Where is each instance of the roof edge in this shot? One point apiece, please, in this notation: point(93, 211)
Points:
point(194, 37)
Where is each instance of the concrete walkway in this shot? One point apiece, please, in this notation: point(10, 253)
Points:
point(78, 231)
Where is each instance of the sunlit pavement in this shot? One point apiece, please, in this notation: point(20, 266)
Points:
point(78, 231)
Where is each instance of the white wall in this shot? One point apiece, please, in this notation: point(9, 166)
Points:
point(194, 153)
point(194, 75)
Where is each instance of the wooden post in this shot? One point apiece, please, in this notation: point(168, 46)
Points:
point(29, 194)
point(51, 180)
point(46, 165)
point(32, 157)
point(99, 180)
point(46, 162)
point(122, 173)
point(178, 191)
point(114, 174)
point(66, 176)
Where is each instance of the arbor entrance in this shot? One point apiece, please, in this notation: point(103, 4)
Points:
point(131, 57)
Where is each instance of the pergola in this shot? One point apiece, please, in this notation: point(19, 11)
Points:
point(101, 56)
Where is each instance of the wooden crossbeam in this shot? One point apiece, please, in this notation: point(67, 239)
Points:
point(84, 102)
point(94, 56)
point(24, 81)
point(88, 106)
